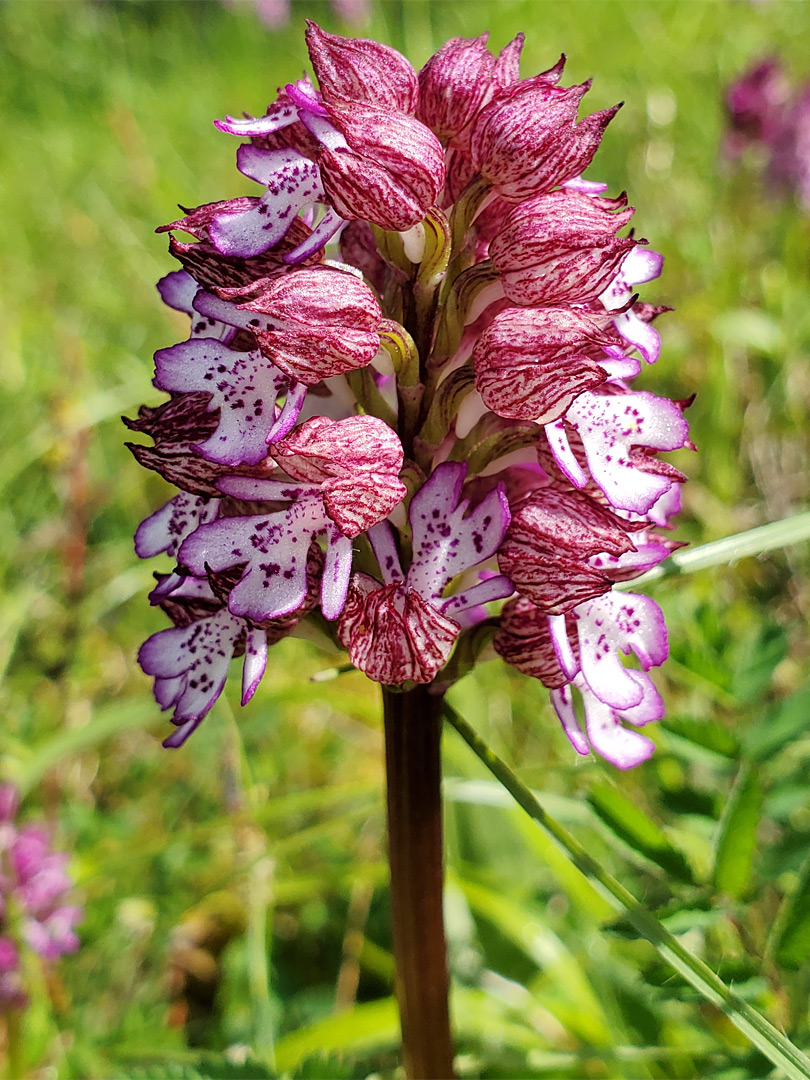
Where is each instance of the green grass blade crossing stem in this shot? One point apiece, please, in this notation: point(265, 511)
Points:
point(776, 1047)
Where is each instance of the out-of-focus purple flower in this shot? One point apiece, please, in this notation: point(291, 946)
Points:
point(275, 14)
point(416, 345)
point(33, 888)
point(756, 105)
point(765, 109)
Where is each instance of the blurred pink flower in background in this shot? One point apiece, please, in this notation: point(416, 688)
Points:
point(277, 13)
point(33, 886)
point(766, 110)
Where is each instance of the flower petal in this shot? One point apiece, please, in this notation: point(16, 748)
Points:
point(272, 548)
point(445, 541)
point(619, 622)
point(167, 528)
point(563, 701)
point(293, 181)
point(610, 739)
point(609, 426)
point(255, 663)
point(190, 666)
point(243, 386)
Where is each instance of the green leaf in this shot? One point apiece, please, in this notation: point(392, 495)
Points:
point(638, 830)
point(753, 672)
point(370, 1026)
point(323, 1066)
point(706, 733)
point(792, 929)
point(759, 1031)
point(737, 838)
point(164, 1070)
point(221, 1068)
point(571, 998)
point(208, 1067)
point(780, 725)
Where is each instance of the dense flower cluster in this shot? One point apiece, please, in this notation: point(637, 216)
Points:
point(33, 884)
point(407, 396)
point(767, 111)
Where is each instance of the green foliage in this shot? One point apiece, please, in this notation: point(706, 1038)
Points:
point(737, 838)
point(107, 112)
point(637, 829)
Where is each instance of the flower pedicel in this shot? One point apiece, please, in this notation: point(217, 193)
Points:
point(405, 407)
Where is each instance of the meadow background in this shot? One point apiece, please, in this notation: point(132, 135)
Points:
point(235, 891)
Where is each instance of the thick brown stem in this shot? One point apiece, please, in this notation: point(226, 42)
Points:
point(413, 724)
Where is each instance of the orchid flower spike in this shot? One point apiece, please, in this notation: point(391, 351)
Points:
point(405, 407)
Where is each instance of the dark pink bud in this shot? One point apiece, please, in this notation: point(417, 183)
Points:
point(527, 140)
point(507, 65)
point(390, 173)
point(325, 323)
point(357, 461)
point(454, 84)
point(361, 70)
point(530, 364)
point(550, 538)
point(561, 248)
point(393, 634)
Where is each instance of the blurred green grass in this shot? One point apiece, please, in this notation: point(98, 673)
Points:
point(107, 111)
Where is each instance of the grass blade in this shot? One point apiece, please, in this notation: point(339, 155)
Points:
point(792, 943)
point(764, 1036)
point(777, 534)
point(638, 830)
point(737, 839)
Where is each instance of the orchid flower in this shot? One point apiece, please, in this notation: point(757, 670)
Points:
point(416, 344)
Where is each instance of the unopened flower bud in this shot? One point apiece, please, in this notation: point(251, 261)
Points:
point(527, 140)
point(550, 539)
point(391, 171)
point(361, 70)
point(561, 248)
point(324, 323)
point(530, 363)
point(454, 84)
